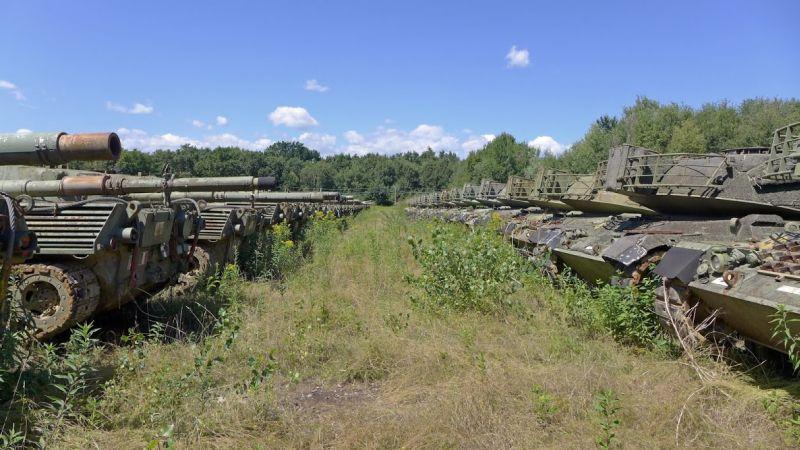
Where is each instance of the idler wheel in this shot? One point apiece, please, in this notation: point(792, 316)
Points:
point(56, 296)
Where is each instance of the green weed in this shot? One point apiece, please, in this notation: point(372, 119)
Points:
point(607, 408)
point(465, 271)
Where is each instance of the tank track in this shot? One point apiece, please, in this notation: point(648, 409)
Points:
point(205, 264)
point(55, 296)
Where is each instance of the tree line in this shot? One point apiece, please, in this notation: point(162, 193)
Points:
point(669, 127)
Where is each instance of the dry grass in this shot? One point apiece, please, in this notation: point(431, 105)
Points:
point(358, 367)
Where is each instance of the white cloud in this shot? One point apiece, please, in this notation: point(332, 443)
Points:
point(222, 120)
point(313, 85)
point(548, 144)
point(24, 131)
point(200, 124)
point(391, 140)
point(518, 57)
point(228, 140)
point(353, 137)
point(323, 143)
point(292, 116)
point(137, 108)
point(476, 142)
point(140, 139)
point(262, 143)
point(382, 140)
point(12, 89)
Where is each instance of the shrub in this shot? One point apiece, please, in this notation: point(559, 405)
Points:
point(627, 312)
point(466, 271)
point(274, 254)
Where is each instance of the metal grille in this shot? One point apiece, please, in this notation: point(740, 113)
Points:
point(216, 220)
point(675, 170)
point(520, 188)
point(489, 189)
point(555, 183)
point(71, 231)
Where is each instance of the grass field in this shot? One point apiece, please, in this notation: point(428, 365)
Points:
point(339, 356)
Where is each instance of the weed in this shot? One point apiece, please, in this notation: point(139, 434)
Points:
point(607, 408)
point(397, 322)
point(164, 439)
point(782, 332)
point(544, 406)
point(784, 410)
point(473, 271)
point(627, 312)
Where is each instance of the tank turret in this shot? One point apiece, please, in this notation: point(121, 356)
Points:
point(549, 186)
point(753, 180)
point(590, 195)
point(488, 191)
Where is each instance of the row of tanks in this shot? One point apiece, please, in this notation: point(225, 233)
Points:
point(78, 243)
point(722, 230)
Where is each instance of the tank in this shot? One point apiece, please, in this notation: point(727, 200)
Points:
point(549, 186)
point(98, 250)
point(721, 237)
point(232, 216)
point(589, 195)
point(469, 194)
point(16, 240)
point(721, 230)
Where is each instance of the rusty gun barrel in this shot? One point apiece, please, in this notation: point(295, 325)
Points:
point(54, 148)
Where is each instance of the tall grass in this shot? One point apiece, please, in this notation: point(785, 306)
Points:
point(338, 354)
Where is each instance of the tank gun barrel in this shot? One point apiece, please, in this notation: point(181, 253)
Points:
point(242, 196)
point(113, 185)
point(220, 184)
point(54, 148)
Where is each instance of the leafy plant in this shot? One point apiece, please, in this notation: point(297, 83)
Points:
point(607, 408)
point(544, 406)
point(627, 312)
point(782, 332)
point(473, 271)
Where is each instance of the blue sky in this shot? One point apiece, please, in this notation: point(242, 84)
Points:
point(359, 76)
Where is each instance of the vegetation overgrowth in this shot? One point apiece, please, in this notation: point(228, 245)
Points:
point(354, 346)
point(648, 123)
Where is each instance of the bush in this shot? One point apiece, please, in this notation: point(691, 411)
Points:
point(625, 312)
point(474, 271)
point(274, 254)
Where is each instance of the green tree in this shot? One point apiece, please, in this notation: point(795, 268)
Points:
point(687, 138)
